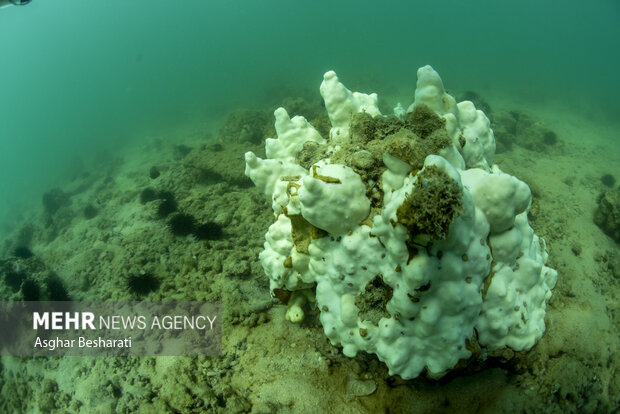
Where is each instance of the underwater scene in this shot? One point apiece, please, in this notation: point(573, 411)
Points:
point(309, 207)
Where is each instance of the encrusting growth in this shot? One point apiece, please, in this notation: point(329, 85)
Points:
point(432, 205)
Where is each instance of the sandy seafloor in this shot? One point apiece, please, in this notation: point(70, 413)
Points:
point(270, 365)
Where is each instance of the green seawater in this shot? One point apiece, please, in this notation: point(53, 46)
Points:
point(80, 78)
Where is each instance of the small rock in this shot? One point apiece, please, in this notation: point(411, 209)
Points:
point(154, 172)
point(359, 388)
point(608, 180)
point(362, 160)
point(607, 215)
point(576, 248)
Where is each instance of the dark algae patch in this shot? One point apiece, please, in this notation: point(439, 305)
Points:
point(432, 205)
point(142, 284)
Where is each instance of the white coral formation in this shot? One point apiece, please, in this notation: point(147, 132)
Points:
point(292, 134)
point(280, 257)
point(390, 279)
point(343, 192)
point(341, 104)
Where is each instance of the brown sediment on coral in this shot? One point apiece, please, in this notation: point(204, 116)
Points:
point(423, 121)
point(373, 300)
point(371, 137)
point(324, 178)
point(303, 232)
point(408, 147)
point(311, 152)
point(365, 128)
point(432, 205)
